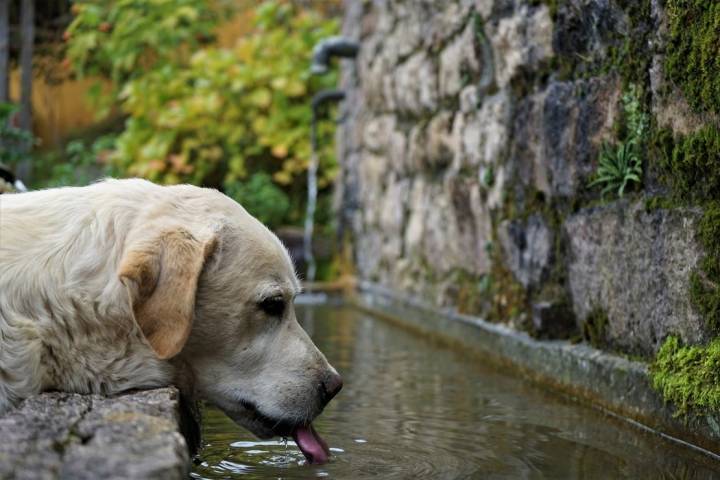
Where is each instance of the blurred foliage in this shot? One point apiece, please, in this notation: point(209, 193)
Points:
point(261, 197)
point(203, 114)
point(14, 142)
point(79, 163)
point(122, 40)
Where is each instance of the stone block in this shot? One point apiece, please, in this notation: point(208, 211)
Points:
point(62, 435)
point(527, 247)
point(635, 266)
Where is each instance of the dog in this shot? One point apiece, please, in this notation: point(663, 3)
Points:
point(125, 284)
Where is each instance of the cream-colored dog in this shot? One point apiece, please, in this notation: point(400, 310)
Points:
point(125, 284)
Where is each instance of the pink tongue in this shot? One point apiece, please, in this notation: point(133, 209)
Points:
point(311, 445)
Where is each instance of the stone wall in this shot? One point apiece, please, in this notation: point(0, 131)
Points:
point(472, 133)
point(63, 435)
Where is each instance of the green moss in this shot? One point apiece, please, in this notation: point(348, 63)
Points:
point(631, 58)
point(690, 164)
point(471, 292)
point(705, 282)
point(693, 51)
point(508, 298)
point(594, 328)
point(660, 203)
point(688, 376)
point(626, 53)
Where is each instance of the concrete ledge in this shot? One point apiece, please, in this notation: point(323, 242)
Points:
point(615, 384)
point(61, 435)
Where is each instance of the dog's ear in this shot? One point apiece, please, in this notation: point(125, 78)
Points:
point(161, 275)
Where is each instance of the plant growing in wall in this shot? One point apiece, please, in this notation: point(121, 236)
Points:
point(620, 165)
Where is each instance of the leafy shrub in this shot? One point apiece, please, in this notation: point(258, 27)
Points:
point(120, 41)
point(621, 164)
point(14, 142)
point(78, 164)
point(199, 113)
point(262, 198)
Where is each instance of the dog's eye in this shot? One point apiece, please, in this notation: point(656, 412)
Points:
point(274, 306)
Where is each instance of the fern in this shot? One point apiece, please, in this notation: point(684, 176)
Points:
point(621, 163)
point(617, 167)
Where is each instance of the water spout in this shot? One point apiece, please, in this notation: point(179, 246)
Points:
point(322, 54)
point(318, 100)
point(332, 47)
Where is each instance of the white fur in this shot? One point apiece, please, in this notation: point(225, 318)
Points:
point(67, 323)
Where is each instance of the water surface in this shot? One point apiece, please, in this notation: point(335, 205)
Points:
point(414, 409)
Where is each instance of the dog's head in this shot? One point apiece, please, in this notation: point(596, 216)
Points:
point(211, 287)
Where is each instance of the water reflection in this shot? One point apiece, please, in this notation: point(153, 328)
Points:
point(410, 409)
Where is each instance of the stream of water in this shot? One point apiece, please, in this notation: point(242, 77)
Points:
point(413, 409)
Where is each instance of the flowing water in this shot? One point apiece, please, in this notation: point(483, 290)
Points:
point(413, 409)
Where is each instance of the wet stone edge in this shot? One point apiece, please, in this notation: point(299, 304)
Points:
point(614, 384)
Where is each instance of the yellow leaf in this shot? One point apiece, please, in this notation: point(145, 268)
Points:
point(261, 97)
point(295, 88)
point(279, 83)
point(279, 151)
point(282, 177)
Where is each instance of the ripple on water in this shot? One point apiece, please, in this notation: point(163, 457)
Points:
point(413, 410)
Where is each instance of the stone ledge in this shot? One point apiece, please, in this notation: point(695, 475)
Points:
point(61, 435)
point(614, 384)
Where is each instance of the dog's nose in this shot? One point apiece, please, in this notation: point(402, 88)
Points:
point(330, 387)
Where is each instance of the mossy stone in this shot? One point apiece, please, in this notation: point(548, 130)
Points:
point(688, 376)
point(693, 51)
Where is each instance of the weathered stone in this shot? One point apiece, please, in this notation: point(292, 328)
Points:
point(520, 41)
point(453, 113)
point(485, 133)
point(377, 84)
point(552, 320)
point(424, 24)
point(483, 7)
point(377, 133)
point(456, 228)
point(635, 266)
point(392, 218)
point(558, 133)
point(584, 29)
point(444, 24)
point(458, 62)
point(61, 435)
point(469, 99)
point(448, 226)
point(415, 85)
point(527, 247)
point(669, 105)
point(441, 142)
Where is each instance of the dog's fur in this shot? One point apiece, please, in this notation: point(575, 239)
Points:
point(125, 284)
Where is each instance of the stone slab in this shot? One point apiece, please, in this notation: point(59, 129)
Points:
point(70, 436)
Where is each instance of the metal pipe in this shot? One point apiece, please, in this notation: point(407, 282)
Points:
point(320, 98)
point(332, 47)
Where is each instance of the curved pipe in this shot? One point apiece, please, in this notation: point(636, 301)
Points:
point(332, 47)
point(325, 96)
